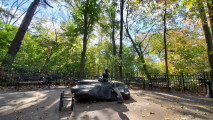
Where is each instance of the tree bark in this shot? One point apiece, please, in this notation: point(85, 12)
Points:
point(121, 40)
point(83, 54)
point(210, 9)
point(165, 42)
point(208, 35)
point(165, 45)
point(140, 54)
point(114, 49)
point(15, 46)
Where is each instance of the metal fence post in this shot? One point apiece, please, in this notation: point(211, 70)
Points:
point(183, 82)
point(167, 77)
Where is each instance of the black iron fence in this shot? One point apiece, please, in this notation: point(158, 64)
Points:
point(7, 77)
point(14, 77)
point(194, 83)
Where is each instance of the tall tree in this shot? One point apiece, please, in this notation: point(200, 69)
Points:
point(165, 42)
point(85, 39)
point(85, 14)
point(113, 39)
point(112, 15)
point(207, 32)
point(15, 45)
point(137, 48)
point(210, 10)
point(121, 37)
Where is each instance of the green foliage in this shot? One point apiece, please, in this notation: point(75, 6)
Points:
point(92, 9)
point(185, 53)
point(7, 33)
point(60, 49)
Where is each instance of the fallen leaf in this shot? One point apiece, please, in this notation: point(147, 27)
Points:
point(143, 115)
point(152, 113)
point(166, 118)
point(184, 118)
point(201, 106)
point(167, 114)
point(202, 113)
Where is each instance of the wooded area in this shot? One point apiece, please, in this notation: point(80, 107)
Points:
point(83, 37)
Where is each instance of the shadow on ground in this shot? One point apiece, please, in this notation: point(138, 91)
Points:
point(100, 110)
point(194, 106)
point(32, 105)
point(42, 104)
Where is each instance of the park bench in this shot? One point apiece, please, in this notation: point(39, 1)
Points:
point(57, 80)
point(30, 79)
point(138, 81)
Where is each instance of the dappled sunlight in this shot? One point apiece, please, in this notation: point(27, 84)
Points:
point(51, 105)
point(103, 110)
point(184, 105)
point(172, 96)
point(40, 104)
point(25, 100)
point(4, 109)
point(104, 114)
point(1, 97)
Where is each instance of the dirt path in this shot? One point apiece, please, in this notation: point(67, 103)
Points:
point(143, 105)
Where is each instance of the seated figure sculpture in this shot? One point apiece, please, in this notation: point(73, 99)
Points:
point(106, 75)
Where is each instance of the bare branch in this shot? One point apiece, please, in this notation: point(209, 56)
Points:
point(19, 18)
point(147, 43)
point(48, 4)
point(130, 37)
point(146, 35)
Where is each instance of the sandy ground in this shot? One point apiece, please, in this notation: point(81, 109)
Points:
point(42, 104)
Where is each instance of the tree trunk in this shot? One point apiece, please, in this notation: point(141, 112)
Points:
point(208, 35)
point(121, 40)
point(114, 49)
point(83, 54)
point(45, 66)
point(210, 9)
point(165, 45)
point(15, 46)
point(140, 54)
point(165, 42)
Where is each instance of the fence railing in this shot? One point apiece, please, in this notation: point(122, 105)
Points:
point(195, 83)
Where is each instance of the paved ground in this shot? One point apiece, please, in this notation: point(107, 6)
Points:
point(42, 104)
